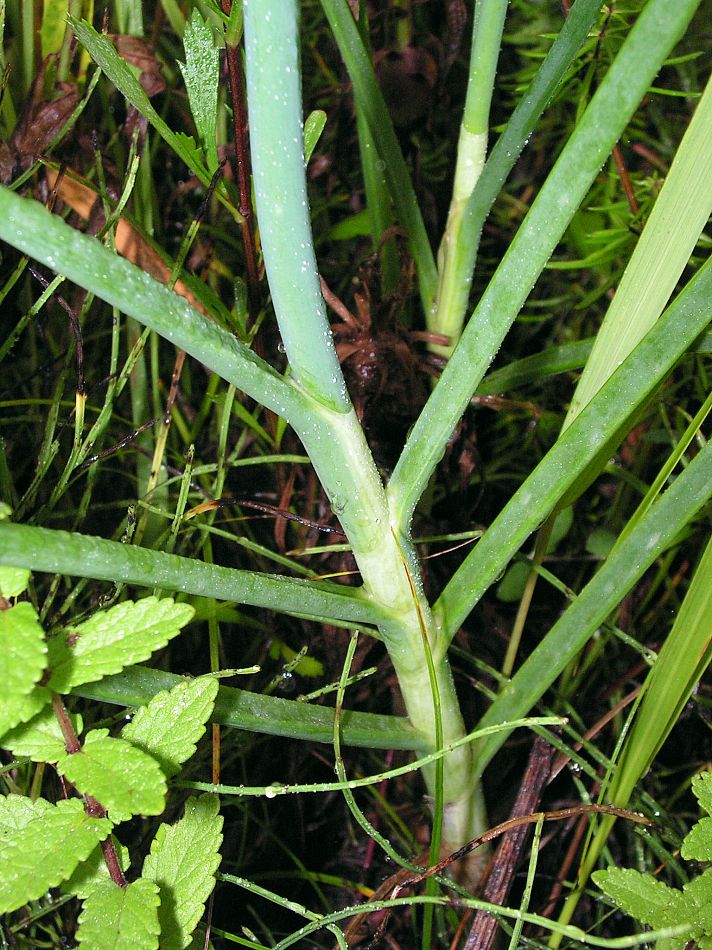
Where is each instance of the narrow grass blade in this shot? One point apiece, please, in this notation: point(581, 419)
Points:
point(59, 552)
point(679, 215)
point(682, 661)
point(659, 26)
point(535, 368)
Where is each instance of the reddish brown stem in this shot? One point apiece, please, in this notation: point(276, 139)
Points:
point(71, 739)
point(91, 805)
point(243, 170)
point(625, 179)
point(484, 928)
point(111, 859)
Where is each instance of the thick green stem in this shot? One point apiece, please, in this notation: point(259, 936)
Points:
point(331, 432)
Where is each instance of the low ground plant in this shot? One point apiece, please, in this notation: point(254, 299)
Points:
point(529, 209)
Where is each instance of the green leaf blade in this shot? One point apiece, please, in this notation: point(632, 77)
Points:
point(183, 861)
point(41, 845)
point(105, 55)
point(40, 739)
point(120, 918)
point(13, 581)
point(124, 779)
point(702, 788)
point(697, 845)
point(201, 72)
point(22, 661)
point(698, 893)
point(126, 634)
point(313, 127)
point(644, 898)
point(94, 871)
point(169, 727)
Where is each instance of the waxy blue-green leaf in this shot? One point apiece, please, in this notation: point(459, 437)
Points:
point(41, 844)
point(23, 657)
point(271, 715)
point(201, 73)
point(171, 724)
point(125, 780)
point(120, 918)
point(60, 552)
point(112, 639)
point(39, 739)
point(183, 860)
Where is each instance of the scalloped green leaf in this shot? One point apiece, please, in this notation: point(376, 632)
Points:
point(183, 861)
point(23, 657)
point(94, 871)
point(697, 845)
point(169, 727)
point(702, 788)
point(13, 581)
point(650, 901)
point(41, 845)
point(120, 918)
point(698, 892)
point(112, 639)
point(40, 739)
point(123, 778)
point(201, 74)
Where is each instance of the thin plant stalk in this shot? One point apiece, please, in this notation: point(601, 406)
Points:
point(471, 153)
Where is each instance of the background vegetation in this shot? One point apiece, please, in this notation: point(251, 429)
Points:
point(106, 431)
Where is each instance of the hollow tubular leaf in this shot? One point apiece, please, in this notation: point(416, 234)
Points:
point(28, 226)
point(598, 424)
point(277, 148)
point(60, 552)
point(455, 277)
point(270, 715)
point(658, 28)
